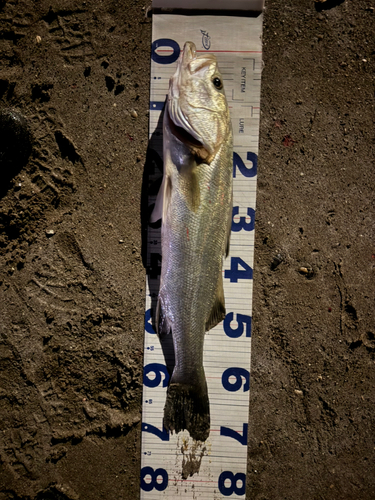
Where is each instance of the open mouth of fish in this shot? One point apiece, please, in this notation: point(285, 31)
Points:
point(182, 134)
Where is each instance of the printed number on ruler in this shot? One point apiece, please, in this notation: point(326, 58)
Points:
point(245, 171)
point(159, 58)
point(228, 483)
point(243, 321)
point(158, 369)
point(148, 323)
point(238, 384)
point(152, 483)
point(243, 224)
point(226, 431)
point(163, 435)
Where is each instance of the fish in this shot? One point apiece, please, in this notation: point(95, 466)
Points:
point(195, 205)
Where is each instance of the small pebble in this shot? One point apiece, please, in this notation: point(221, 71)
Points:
point(308, 272)
point(121, 241)
point(277, 260)
point(38, 39)
point(134, 113)
point(50, 232)
point(298, 392)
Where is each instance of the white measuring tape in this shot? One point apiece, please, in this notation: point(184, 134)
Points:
point(175, 466)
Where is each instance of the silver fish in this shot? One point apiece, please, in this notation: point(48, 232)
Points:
point(195, 204)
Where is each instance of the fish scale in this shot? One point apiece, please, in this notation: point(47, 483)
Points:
point(191, 265)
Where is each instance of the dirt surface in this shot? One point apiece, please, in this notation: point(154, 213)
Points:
point(72, 283)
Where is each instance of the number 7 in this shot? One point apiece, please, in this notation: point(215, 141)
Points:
point(226, 431)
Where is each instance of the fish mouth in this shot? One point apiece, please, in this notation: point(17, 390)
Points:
point(182, 134)
point(181, 125)
point(188, 59)
point(189, 51)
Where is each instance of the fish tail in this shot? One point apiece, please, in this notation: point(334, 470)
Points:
point(187, 407)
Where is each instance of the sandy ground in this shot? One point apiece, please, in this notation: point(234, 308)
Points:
point(72, 283)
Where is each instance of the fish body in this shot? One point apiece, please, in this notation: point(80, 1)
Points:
point(195, 204)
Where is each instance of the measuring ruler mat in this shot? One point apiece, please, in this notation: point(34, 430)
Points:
point(174, 465)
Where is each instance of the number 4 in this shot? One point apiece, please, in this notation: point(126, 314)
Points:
point(234, 274)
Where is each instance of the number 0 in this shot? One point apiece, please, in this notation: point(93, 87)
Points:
point(166, 59)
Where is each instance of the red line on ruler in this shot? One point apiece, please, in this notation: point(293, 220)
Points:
point(190, 481)
point(234, 51)
point(228, 51)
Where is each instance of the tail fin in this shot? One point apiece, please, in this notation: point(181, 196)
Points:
point(187, 407)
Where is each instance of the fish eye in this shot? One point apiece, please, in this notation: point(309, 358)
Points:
point(218, 83)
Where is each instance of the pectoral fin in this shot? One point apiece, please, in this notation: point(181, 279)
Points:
point(162, 200)
point(218, 309)
point(190, 187)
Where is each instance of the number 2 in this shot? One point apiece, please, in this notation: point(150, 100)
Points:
point(245, 171)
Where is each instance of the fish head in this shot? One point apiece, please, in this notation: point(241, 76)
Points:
point(197, 104)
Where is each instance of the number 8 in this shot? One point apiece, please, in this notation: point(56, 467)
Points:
point(233, 488)
point(154, 475)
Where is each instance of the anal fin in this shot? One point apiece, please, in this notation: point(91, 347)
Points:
point(218, 310)
point(161, 323)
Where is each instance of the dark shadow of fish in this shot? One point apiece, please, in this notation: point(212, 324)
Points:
point(151, 233)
